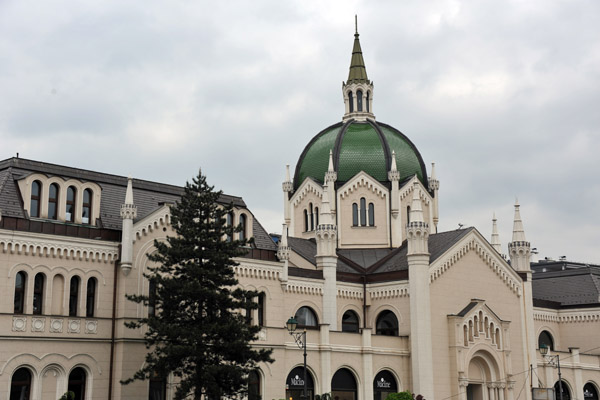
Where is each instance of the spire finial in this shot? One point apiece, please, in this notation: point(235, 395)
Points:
point(355, 24)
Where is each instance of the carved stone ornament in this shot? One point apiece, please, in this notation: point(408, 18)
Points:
point(262, 335)
point(74, 326)
point(38, 324)
point(56, 325)
point(91, 326)
point(19, 324)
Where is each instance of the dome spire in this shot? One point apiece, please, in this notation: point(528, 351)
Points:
point(358, 71)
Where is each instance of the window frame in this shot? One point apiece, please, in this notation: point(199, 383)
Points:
point(357, 325)
point(87, 206)
point(21, 292)
point(386, 330)
point(74, 296)
point(34, 212)
point(90, 298)
point(39, 282)
point(299, 318)
point(70, 217)
point(53, 201)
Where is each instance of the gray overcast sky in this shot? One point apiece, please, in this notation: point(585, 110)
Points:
point(502, 95)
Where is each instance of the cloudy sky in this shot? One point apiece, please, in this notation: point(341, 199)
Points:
point(503, 95)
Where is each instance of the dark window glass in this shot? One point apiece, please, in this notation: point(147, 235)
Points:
point(86, 207)
point(71, 196)
point(359, 100)
point(343, 385)
point(350, 322)
point(294, 384)
point(152, 298)
point(73, 296)
point(351, 101)
point(243, 220)
point(317, 216)
point(387, 324)
point(158, 387)
point(20, 284)
point(368, 105)
point(20, 385)
point(36, 189)
point(229, 223)
point(384, 384)
point(371, 214)
point(53, 201)
point(261, 309)
point(566, 395)
point(90, 298)
point(546, 338)
point(408, 214)
point(590, 392)
point(306, 318)
point(254, 386)
point(38, 293)
point(77, 379)
point(312, 217)
point(305, 220)
point(363, 212)
point(354, 214)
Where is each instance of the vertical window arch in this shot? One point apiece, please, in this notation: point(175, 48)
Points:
point(20, 285)
point(350, 321)
point(261, 309)
point(77, 381)
point(305, 220)
point(343, 385)
point(562, 386)
point(354, 214)
point(38, 293)
point(86, 207)
point(359, 100)
point(545, 338)
point(384, 384)
point(350, 102)
point(306, 318)
point(254, 386)
point(90, 297)
point(53, 201)
point(229, 224)
point(312, 216)
point(36, 191)
point(158, 387)
point(408, 215)
point(371, 214)
point(387, 324)
point(368, 101)
point(58, 291)
point(243, 225)
point(363, 211)
point(590, 392)
point(73, 296)
point(316, 216)
point(152, 298)
point(20, 385)
point(71, 198)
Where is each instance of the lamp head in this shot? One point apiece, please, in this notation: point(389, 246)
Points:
point(291, 324)
point(543, 349)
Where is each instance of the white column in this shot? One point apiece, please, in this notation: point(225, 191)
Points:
point(325, 360)
point(367, 356)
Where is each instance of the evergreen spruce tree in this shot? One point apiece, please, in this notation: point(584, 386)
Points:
point(198, 331)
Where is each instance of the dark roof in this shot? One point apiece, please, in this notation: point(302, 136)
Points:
point(578, 286)
point(148, 196)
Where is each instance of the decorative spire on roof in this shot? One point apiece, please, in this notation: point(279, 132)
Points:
point(495, 236)
point(358, 71)
point(518, 231)
point(519, 249)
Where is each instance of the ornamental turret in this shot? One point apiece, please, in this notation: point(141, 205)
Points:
point(128, 214)
point(287, 187)
point(283, 253)
point(395, 220)
point(519, 249)
point(330, 178)
point(495, 236)
point(358, 89)
point(434, 186)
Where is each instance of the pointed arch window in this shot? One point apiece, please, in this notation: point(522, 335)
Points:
point(354, 214)
point(20, 385)
point(86, 207)
point(254, 390)
point(90, 301)
point(71, 196)
point(351, 102)
point(359, 100)
point(371, 214)
point(312, 217)
point(316, 216)
point(368, 101)
point(20, 284)
point(73, 296)
point(363, 211)
point(38, 293)
point(305, 220)
point(36, 190)
point(243, 226)
point(152, 298)
point(77, 381)
point(53, 201)
point(408, 214)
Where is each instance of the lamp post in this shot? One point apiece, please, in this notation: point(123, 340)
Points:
point(300, 338)
point(544, 352)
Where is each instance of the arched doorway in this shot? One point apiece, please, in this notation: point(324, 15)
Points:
point(482, 371)
point(77, 380)
point(590, 392)
point(20, 386)
point(384, 384)
point(294, 384)
point(566, 393)
point(343, 385)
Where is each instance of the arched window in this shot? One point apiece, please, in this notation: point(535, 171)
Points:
point(368, 101)
point(73, 296)
point(408, 215)
point(387, 324)
point(371, 214)
point(71, 197)
point(229, 224)
point(261, 309)
point(351, 102)
point(354, 214)
point(305, 220)
point(58, 292)
point(384, 384)
point(294, 384)
point(20, 385)
point(243, 225)
point(158, 387)
point(254, 390)
point(38, 293)
point(77, 380)
point(350, 321)
point(566, 394)
point(306, 318)
point(20, 285)
point(316, 216)
point(363, 212)
point(86, 207)
point(545, 338)
point(359, 100)
point(343, 385)
point(152, 298)
point(90, 297)
point(53, 201)
point(590, 392)
point(312, 217)
point(36, 190)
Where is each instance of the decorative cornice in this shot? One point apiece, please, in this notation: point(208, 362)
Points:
point(388, 292)
point(348, 292)
point(491, 259)
point(148, 224)
point(248, 270)
point(49, 246)
point(128, 211)
point(408, 188)
point(566, 316)
point(362, 179)
point(303, 287)
point(309, 186)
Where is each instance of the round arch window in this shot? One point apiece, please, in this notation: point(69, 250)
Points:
point(350, 322)
point(566, 394)
point(384, 384)
point(306, 318)
point(546, 339)
point(343, 385)
point(387, 324)
point(294, 384)
point(590, 392)
point(77, 380)
point(20, 386)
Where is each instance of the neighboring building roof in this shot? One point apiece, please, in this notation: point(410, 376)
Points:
point(359, 146)
point(565, 283)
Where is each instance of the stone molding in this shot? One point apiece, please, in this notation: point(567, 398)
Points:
point(248, 270)
point(388, 292)
point(148, 224)
point(308, 186)
point(49, 246)
point(349, 292)
point(301, 287)
point(473, 242)
point(566, 316)
point(363, 180)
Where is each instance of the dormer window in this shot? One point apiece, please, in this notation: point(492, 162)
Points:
point(36, 189)
point(53, 202)
point(86, 207)
point(71, 195)
point(351, 101)
point(359, 100)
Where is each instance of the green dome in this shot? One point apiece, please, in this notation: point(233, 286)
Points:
point(359, 146)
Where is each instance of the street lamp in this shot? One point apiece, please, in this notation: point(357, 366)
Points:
point(544, 352)
point(300, 338)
